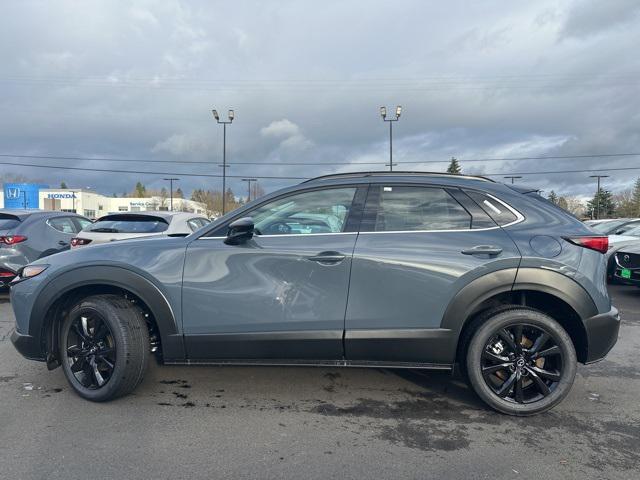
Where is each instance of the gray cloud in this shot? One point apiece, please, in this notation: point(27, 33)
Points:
point(138, 80)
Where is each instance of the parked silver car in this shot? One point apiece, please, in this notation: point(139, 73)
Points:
point(122, 226)
point(27, 235)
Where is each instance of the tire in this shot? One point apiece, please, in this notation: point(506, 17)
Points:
point(520, 378)
point(86, 351)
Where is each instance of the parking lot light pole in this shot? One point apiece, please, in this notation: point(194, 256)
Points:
point(598, 177)
point(383, 114)
point(171, 180)
point(224, 153)
point(249, 180)
point(513, 177)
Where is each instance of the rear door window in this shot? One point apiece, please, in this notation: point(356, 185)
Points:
point(129, 224)
point(416, 208)
point(63, 224)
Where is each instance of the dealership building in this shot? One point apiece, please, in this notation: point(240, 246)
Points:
point(87, 202)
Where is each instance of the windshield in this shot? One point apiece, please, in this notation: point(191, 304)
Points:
point(633, 232)
point(608, 227)
point(129, 224)
point(7, 222)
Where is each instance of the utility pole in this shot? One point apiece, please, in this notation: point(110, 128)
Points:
point(224, 153)
point(513, 177)
point(171, 180)
point(249, 180)
point(383, 114)
point(598, 177)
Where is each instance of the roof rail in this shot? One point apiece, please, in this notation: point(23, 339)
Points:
point(394, 173)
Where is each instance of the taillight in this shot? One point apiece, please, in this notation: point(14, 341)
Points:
point(599, 244)
point(12, 239)
point(78, 242)
point(6, 274)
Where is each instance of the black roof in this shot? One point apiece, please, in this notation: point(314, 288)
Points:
point(395, 174)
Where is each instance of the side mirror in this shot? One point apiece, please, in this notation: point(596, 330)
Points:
point(239, 231)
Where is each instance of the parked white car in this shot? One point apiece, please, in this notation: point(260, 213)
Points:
point(122, 226)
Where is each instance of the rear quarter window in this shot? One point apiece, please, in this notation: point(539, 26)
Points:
point(498, 212)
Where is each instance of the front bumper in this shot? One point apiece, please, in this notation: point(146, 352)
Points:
point(602, 334)
point(28, 346)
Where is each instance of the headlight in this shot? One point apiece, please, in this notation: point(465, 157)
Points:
point(31, 271)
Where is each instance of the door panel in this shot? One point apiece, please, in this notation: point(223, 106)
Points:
point(402, 282)
point(268, 298)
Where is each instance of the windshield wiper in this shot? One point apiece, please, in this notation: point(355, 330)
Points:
point(105, 230)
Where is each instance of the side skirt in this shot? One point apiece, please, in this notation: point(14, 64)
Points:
point(313, 363)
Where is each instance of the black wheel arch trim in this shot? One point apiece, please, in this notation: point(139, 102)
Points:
point(472, 295)
point(117, 277)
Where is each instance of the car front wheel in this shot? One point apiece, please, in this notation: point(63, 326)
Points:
point(104, 347)
point(521, 361)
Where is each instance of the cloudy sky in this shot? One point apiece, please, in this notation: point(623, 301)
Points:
point(492, 79)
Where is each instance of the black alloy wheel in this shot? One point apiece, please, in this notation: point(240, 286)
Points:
point(104, 346)
point(519, 361)
point(522, 363)
point(91, 349)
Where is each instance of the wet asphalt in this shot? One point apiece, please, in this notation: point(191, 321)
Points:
point(263, 422)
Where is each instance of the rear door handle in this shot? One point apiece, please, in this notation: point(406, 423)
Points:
point(327, 257)
point(483, 250)
point(63, 243)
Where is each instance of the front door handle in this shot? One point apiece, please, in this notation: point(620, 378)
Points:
point(483, 250)
point(327, 257)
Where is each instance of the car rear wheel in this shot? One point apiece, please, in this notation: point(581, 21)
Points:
point(521, 361)
point(104, 347)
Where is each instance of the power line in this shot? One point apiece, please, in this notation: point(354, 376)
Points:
point(108, 170)
point(382, 162)
point(296, 178)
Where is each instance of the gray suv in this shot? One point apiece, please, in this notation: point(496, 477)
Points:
point(26, 235)
point(409, 270)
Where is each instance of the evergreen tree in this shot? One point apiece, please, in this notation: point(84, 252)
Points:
point(454, 166)
point(63, 185)
point(179, 193)
point(553, 198)
point(140, 190)
point(601, 205)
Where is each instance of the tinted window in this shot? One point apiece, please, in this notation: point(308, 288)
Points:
point(496, 210)
point(83, 223)
point(195, 224)
point(419, 208)
point(318, 211)
point(129, 224)
point(8, 222)
point(62, 224)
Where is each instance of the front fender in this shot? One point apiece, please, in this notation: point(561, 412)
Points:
point(113, 276)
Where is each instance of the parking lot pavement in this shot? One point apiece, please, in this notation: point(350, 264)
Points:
point(245, 422)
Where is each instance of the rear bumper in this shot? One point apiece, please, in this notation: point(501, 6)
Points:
point(28, 346)
point(602, 334)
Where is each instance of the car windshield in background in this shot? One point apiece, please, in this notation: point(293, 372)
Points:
point(7, 222)
point(608, 227)
point(633, 232)
point(129, 224)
